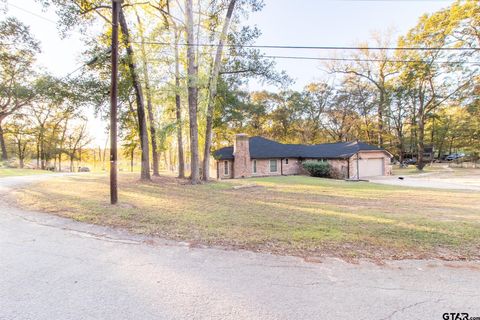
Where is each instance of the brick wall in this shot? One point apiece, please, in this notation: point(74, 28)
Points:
point(263, 167)
point(221, 169)
point(294, 166)
point(339, 168)
point(241, 152)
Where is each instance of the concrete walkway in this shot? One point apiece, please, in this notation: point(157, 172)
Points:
point(55, 268)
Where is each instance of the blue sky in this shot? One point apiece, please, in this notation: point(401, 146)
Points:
point(282, 22)
point(286, 22)
point(331, 23)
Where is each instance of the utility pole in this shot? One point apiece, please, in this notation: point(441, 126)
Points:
point(113, 104)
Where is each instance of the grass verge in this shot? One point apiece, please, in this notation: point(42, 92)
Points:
point(293, 215)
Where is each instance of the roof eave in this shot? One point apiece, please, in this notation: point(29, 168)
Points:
point(380, 150)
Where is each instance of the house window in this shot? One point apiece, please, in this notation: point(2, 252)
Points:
point(225, 163)
point(273, 165)
point(286, 161)
point(254, 166)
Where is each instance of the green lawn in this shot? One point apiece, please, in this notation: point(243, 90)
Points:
point(288, 215)
point(411, 169)
point(8, 172)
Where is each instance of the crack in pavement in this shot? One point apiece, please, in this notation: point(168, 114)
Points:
point(422, 291)
point(413, 305)
point(82, 233)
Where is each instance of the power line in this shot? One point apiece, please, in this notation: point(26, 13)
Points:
point(363, 60)
point(306, 48)
point(348, 59)
point(285, 46)
point(32, 13)
point(88, 63)
point(312, 47)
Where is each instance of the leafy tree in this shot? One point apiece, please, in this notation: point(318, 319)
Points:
point(142, 122)
point(21, 133)
point(432, 82)
point(18, 50)
point(76, 139)
point(213, 84)
point(374, 66)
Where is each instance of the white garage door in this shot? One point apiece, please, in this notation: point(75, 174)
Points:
point(370, 167)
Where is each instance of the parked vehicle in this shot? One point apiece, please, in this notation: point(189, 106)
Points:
point(455, 156)
point(83, 169)
point(442, 157)
point(410, 161)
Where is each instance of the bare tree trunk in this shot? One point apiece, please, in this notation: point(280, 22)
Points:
point(61, 146)
point(42, 153)
point(153, 134)
point(38, 153)
point(421, 133)
point(421, 144)
point(442, 141)
point(178, 109)
point(142, 123)
point(192, 93)
point(450, 148)
point(2, 144)
point(21, 155)
point(151, 119)
point(381, 107)
point(213, 91)
point(401, 145)
point(131, 159)
point(104, 153)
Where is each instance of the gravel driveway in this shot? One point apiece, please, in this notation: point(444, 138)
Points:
point(55, 268)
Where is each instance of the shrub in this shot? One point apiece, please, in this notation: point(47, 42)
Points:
point(317, 168)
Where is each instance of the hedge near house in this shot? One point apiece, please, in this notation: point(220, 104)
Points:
point(317, 168)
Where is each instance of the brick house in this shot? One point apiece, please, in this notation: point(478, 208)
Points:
point(257, 156)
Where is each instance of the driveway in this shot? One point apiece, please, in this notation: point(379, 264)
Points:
point(458, 179)
point(55, 268)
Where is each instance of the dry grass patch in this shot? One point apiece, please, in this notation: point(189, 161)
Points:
point(288, 215)
point(12, 172)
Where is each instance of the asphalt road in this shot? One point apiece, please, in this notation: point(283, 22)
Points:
point(54, 268)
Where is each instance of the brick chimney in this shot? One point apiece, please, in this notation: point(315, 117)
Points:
point(241, 153)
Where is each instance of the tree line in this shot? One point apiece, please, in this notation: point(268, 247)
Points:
point(183, 70)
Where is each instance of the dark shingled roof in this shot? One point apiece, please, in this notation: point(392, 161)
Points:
point(261, 148)
point(224, 153)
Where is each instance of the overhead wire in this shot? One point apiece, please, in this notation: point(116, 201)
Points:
point(302, 47)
